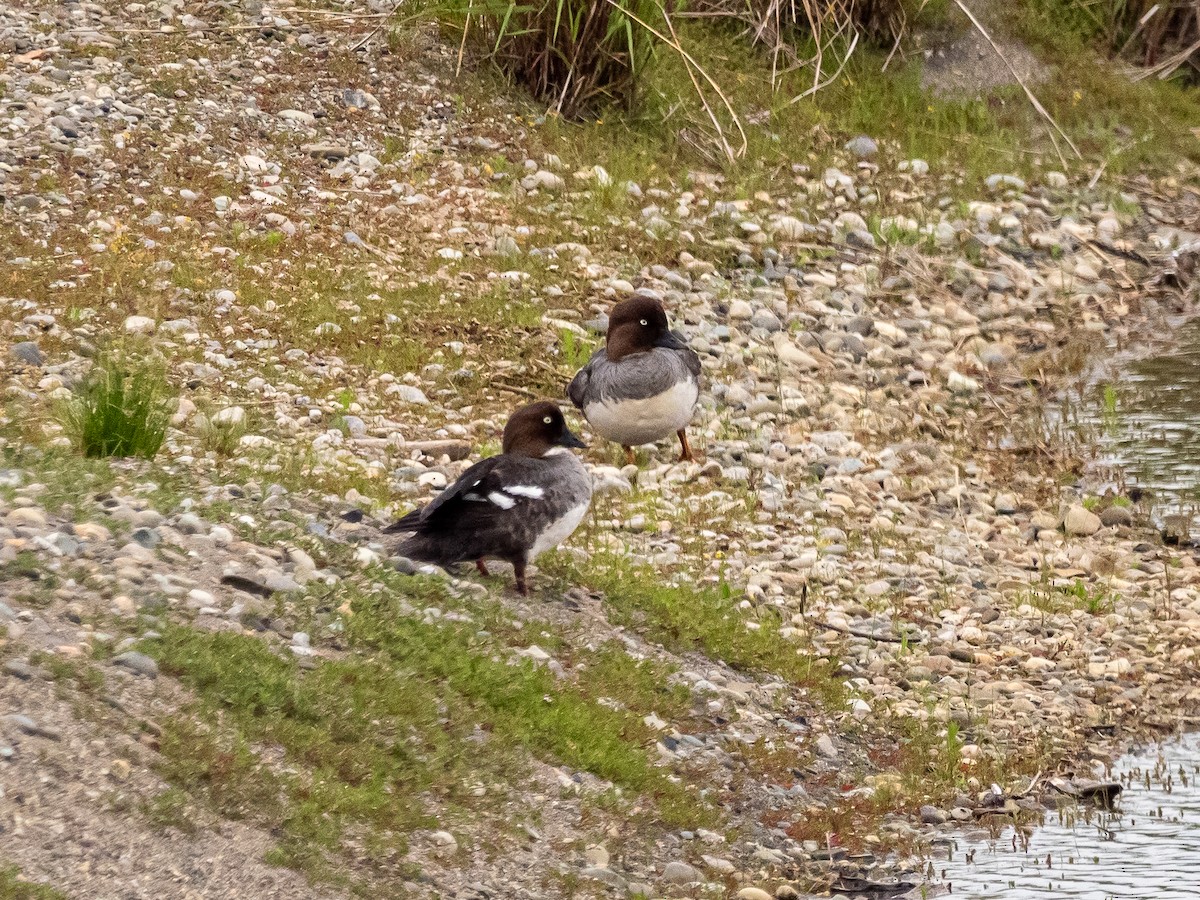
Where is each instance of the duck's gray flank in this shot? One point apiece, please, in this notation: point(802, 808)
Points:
point(654, 372)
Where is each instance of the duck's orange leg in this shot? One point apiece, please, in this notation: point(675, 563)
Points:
point(686, 448)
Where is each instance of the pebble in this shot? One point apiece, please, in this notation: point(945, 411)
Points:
point(862, 146)
point(27, 353)
point(137, 662)
point(139, 325)
point(681, 873)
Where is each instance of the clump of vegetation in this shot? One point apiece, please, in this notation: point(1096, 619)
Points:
point(576, 351)
point(1161, 37)
point(575, 55)
point(122, 408)
point(1062, 598)
point(13, 888)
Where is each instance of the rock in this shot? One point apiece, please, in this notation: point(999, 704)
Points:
point(327, 151)
point(230, 417)
point(1002, 182)
point(766, 320)
point(137, 662)
point(597, 856)
point(740, 310)
point(506, 245)
point(790, 228)
point(147, 537)
point(27, 353)
point(139, 325)
point(1116, 516)
point(862, 146)
point(26, 725)
point(860, 238)
point(1081, 522)
point(18, 668)
point(961, 384)
point(543, 180)
point(1005, 504)
point(605, 875)
point(409, 394)
point(681, 873)
point(826, 748)
point(931, 815)
point(753, 893)
point(26, 517)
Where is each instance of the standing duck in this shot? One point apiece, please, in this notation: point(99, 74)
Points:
point(644, 384)
point(510, 507)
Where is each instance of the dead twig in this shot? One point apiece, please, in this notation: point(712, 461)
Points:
point(693, 69)
point(370, 35)
point(1037, 104)
point(820, 86)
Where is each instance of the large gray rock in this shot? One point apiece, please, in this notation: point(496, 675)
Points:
point(137, 662)
point(681, 873)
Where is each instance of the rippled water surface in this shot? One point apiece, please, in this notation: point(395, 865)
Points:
point(1139, 415)
point(1147, 849)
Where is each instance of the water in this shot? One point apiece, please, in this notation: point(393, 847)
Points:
point(1137, 413)
point(1148, 848)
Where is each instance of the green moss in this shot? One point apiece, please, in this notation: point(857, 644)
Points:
point(13, 888)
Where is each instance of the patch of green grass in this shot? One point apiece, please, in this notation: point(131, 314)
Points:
point(415, 710)
point(575, 350)
point(173, 808)
point(222, 438)
point(13, 888)
point(696, 617)
point(122, 408)
point(1094, 600)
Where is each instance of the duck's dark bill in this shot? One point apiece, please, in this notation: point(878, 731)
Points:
point(570, 440)
point(671, 341)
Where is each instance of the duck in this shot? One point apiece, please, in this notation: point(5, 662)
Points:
point(643, 384)
point(512, 507)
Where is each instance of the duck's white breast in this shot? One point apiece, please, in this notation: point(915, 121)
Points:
point(633, 422)
point(560, 529)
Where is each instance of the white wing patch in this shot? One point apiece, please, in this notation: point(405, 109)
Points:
point(502, 500)
point(532, 491)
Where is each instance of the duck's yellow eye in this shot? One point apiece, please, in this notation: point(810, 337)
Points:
point(644, 322)
point(547, 420)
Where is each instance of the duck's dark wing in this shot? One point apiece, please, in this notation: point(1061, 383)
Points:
point(472, 487)
point(489, 511)
point(577, 389)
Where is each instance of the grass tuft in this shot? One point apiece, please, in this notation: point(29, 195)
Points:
point(575, 55)
point(13, 888)
point(121, 409)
